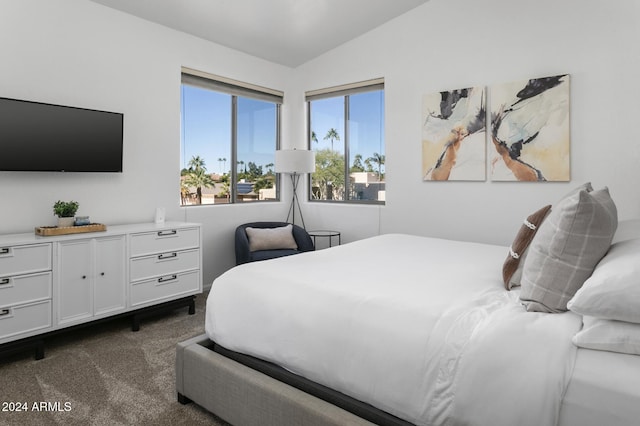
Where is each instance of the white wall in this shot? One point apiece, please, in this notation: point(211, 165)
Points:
point(76, 52)
point(451, 44)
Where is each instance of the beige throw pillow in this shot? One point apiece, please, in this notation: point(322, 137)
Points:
point(271, 238)
point(513, 265)
point(566, 249)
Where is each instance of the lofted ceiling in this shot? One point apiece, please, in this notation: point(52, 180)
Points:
point(287, 32)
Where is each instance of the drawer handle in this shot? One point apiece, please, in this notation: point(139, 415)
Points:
point(5, 251)
point(4, 312)
point(5, 281)
point(169, 278)
point(164, 256)
point(167, 233)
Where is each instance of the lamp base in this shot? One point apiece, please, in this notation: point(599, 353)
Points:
point(295, 178)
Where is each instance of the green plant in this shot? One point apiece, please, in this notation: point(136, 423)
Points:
point(65, 208)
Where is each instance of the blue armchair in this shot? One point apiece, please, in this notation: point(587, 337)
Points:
point(244, 254)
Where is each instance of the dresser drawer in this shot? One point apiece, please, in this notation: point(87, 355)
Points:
point(25, 288)
point(16, 260)
point(164, 264)
point(164, 241)
point(26, 318)
point(166, 287)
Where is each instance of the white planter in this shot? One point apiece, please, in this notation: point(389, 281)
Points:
point(65, 221)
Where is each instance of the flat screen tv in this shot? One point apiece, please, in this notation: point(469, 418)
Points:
point(43, 137)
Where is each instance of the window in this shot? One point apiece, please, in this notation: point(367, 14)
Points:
point(230, 132)
point(346, 131)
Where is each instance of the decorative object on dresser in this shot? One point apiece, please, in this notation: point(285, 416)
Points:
point(65, 210)
point(81, 221)
point(49, 285)
point(47, 231)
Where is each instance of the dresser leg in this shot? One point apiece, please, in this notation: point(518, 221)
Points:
point(135, 323)
point(39, 349)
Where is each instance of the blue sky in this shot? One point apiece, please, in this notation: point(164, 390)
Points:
point(366, 114)
point(206, 127)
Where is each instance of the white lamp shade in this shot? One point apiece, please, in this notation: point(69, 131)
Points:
point(295, 161)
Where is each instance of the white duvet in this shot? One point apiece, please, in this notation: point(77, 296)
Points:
point(419, 327)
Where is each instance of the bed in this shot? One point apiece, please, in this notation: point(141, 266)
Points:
point(407, 330)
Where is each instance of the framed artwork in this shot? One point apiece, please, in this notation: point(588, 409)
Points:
point(529, 137)
point(454, 135)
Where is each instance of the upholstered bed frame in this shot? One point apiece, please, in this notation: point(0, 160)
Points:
point(242, 395)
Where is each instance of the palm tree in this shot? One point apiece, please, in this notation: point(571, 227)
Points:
point(357, 164)
point(332, 135)
point(379, 160)
point(196, 163)
point(198, 177)
point(314, 138)
point(224, 164)
point(269, 168)
point(184, 192)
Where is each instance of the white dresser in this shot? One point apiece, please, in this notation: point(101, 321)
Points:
point(48, 284)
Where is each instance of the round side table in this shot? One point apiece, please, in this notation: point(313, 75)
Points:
point(330, 235)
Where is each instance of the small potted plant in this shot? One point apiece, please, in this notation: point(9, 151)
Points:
point(65, 210)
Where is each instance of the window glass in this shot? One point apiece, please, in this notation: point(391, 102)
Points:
point(228, 144)
point(257, 134)
point(327, 140)
point(366, 146)
point(347, 134)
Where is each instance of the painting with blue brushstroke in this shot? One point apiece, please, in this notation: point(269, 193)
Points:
point(529, 133)
point(454, 135)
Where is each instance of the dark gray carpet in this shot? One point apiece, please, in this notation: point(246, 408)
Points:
point(104, 374)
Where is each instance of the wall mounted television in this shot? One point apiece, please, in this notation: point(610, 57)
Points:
point(42, 137)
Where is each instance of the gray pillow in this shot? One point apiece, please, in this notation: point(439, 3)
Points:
point(566, 249)
point(271, 238)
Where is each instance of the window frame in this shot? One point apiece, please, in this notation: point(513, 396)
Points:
point(344, 91)
point(236, 89)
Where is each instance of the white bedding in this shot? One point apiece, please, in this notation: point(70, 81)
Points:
point(421, 328)
point(604, 390)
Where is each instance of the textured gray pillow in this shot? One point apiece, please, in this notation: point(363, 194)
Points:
point(566, 249)
point(271, 238)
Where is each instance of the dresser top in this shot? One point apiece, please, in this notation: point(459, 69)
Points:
point(32, 238)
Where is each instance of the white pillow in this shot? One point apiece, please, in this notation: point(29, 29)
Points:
point(628, 229)
point(613, 290)
point(606, 335)
point(271, 238)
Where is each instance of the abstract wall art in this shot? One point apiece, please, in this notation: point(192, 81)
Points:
point(454, 135)
point(529, 137)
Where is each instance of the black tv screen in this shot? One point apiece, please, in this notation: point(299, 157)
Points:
point(43, 137)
